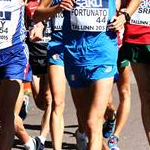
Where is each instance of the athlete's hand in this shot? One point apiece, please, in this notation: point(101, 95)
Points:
point(117, 23)
point(67, 4)
point(36, 34)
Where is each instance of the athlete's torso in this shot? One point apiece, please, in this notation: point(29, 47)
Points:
point(56, 24)
point(85, 33)
point(12, 29)
point(138, 31)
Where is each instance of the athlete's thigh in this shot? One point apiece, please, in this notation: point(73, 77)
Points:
point(124, 78)
point(142, 75)
point(35, 85)
point(41, 90)
point(101, 90)
point(57, 81)
point(9, 91)
point(19, 100)
point(44, 89)
point(81, 97)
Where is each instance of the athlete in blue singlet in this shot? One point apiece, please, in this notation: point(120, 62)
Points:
point(90, 62)
point(14, 65)
point(56, 74)
point(57, 77)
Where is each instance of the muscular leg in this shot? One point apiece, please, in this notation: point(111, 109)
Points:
point(142, 76)
point(58, 87)
point(100, 92)
point(20, 131)
point(123, 110)
point(89, 105)
point(109, 114)
point(42, 98)
point(9, 91)
point(19, 128)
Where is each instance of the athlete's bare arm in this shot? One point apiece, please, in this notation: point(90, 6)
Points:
point(132, 5)
point(120, 20)
point(21, 1)
point(118, 4)
point(44, 11)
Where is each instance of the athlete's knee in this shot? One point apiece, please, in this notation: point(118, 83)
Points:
point(58, 106)
point(92, 124)
point(125, 93)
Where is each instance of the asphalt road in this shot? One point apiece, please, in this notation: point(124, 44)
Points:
point(132, 137)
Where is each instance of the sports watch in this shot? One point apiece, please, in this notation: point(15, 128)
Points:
point(127, 16)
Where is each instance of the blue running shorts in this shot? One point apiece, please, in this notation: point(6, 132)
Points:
point(14, 63)
point(81, 76)
point(55, 55)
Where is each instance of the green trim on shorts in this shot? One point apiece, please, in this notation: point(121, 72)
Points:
point(124, 63)
point(135, 53)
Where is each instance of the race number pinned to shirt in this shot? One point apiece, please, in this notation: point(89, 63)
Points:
point(142, 14)
point(90, 15)
point(47, 32)
point(8, 26)
point(12, 29)
point(5, 17)
point(57, 21)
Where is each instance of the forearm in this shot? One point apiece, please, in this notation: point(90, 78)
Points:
point(118, 4)
point(44, 13)
point(132, 6)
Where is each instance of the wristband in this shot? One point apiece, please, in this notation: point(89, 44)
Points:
point(127, 16)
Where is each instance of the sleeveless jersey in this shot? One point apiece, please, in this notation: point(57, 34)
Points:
point(85, 33)
point(12, 29)
point(138, 30)
point(56, 26)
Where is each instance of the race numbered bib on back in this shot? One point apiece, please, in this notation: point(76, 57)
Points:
point(57, 21)
point(90, 15)
point(142, 14)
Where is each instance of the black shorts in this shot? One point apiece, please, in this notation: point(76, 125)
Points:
point(38, 57)
point(135, 53)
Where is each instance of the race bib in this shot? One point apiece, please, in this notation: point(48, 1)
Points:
point(5, 20)
point(47, 32)
point(8, 26)
point(90, 15)
point(57, 21)
point(142, 14)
